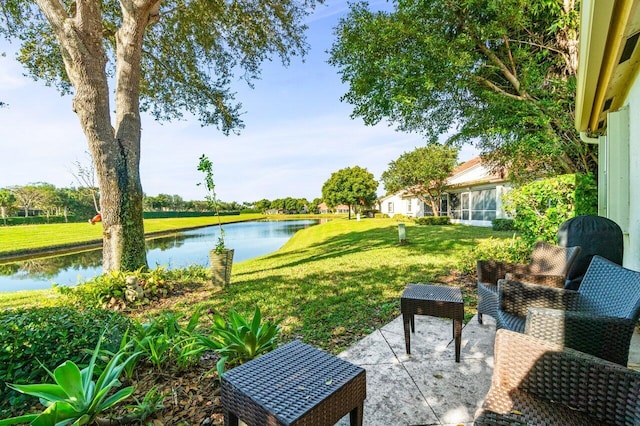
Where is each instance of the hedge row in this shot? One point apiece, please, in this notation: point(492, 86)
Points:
point(433, 220)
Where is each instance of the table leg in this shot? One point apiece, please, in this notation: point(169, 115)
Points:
point(230, 419)
point(406, 319)
point(355, 416)
point(457, 335)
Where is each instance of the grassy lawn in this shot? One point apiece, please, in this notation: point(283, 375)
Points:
point(334, 283)
point(330, 284)
point(31, 237)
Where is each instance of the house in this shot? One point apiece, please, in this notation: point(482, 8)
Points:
point(401, 203)
point(607, 110)
point(339, 209)
point(473, 196)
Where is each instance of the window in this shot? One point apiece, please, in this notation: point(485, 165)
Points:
point(454, 205)
point(464, 206)
point(483, 204)
point(408, 206)
point(390, 207)
point(444, 208)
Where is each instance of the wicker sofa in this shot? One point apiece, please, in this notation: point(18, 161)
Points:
point(536, 382)
point(549, 266)
point(598, 319)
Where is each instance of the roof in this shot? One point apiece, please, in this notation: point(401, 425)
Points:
point(473, 172)
point(608, 60)
point(466, 165)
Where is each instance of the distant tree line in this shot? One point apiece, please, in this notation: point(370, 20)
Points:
point(75, 204)
point(287, 205)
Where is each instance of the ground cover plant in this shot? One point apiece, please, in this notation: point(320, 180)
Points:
point(329, 286)
point(34, 340)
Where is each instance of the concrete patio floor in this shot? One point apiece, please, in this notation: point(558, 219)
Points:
point(429, 387)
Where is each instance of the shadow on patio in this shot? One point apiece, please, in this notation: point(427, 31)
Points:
point(429, 387)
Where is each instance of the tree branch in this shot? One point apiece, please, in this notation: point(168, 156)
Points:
point(499, 90)
point(513, 65)
point(505, 71)
point(54, 11)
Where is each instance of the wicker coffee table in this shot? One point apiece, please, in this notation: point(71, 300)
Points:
point(295, 384)
point(433, 300)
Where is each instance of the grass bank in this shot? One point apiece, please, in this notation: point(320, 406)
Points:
point(32, 238)
point(334, 283)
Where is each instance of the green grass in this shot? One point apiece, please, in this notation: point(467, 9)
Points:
point(335, 283)
point(31, 237)
point(332, 284)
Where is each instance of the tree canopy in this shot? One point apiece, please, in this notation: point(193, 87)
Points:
point(422, 173)
point(353, 186)
point(496, 73)
point(169, 58)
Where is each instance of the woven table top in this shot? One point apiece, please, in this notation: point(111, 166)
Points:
point(291, 380)
point(433, 292)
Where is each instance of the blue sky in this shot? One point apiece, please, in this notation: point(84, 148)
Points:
point(297, 132)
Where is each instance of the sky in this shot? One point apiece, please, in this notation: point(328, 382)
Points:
point(297, 132)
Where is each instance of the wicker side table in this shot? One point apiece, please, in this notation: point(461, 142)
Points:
point(295, 384)
point(433, 300)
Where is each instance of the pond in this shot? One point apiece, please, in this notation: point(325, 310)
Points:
point(249, 239)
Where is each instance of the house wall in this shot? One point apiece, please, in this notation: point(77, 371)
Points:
point(619, 170)
point(397, 204)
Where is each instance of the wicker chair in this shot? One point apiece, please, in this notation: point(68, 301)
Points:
point(597, 319)
point(549, 266)
point(541, 383)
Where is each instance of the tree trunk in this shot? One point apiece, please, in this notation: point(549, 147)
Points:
point(115, 152)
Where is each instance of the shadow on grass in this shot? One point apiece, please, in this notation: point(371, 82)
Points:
point(333, 293)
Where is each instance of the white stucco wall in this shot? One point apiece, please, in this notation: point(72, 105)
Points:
point(632, 237)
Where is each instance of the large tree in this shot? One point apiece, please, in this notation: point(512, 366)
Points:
point(422, 173)
point(166, 57)
point(496, 73)
point(353, 186)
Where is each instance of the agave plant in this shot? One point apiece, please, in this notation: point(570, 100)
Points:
point(75, 399)
point(239, 339)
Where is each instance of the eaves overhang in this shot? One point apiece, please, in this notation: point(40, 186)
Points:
point(608, 60)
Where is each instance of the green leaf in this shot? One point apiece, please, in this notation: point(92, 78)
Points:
point(46, 391)
point(69, 378)
point(220, 366)
point(18, 420)
point(122, 394)
point(255, 323)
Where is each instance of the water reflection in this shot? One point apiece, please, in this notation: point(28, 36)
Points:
point(249, 239)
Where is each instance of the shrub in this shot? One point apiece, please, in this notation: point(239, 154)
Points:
point(166, 340)
point(75, 397)
point(381, 216)
point(501, 224)
point(49, 336)
point(540, 207)
point(119, 290)
point(400, 217)
point(433, 220)
point(514, 250)
point(240, 339)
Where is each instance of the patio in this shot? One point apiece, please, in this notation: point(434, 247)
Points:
point(429, 387)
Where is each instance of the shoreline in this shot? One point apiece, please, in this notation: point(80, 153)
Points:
point(56, 250)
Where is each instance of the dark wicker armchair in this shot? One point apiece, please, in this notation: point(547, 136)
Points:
point(549, 266)
point(598, 319)
point(540, 383)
